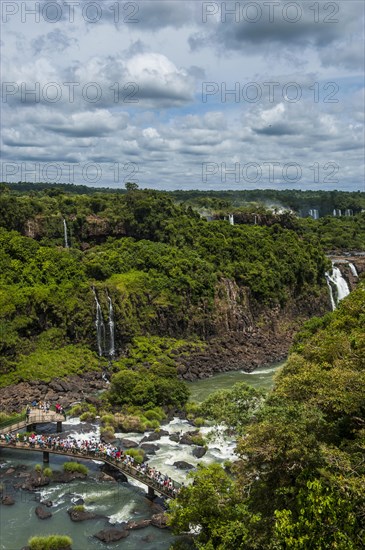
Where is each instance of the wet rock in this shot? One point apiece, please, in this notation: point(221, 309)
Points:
point(41, 513)
point(47, 503)
point(81, 515)
point(182, 465)
point(7, 500)
point(186, 438)
point(155, 436)
point(128, 443)
point(159, 520)
point(149, 448)
point(106, 477)
point(140, 524)
point(9, 471)
point(66, 477)
point(198, 452)
point(34, 481)
point(175, 437)
point(79, 502)
point(111, 535)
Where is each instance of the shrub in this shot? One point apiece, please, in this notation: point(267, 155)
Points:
point(78, 508)
point(75, 467)
point(199, 421)
point(52, 542)
point(198, 439)
point(155, 414)
point(107, 431)
point(76, 410)
point(87, 416)
point(108, 419)
point(38, 468)
point(47, 472)
point(151, 424)
point(130, 423)
point(137, 454)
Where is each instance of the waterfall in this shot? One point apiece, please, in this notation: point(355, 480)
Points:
point(336, 280)
point(100, 327)
point(348, 212)
point(231, 219)
point(353, 270)
point(333, 304)
point(111, 328)
point(255, 219)
point(65, 232)
point(337, 212)
point(313, 212)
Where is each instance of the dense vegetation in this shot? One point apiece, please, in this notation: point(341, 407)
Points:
point(299, 482)
point(162, 266)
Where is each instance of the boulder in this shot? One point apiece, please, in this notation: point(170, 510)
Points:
point(159, 520)
point(47, 503)
point(139, 524)
point(111, 535)
point(7, 500)
point(155, 436)
point(198, 452)
point(128, 443)
point(182, 465)
point(106, 477)
point(149, 448)
point(81, 515)
point(41, 513)
point(175, 437)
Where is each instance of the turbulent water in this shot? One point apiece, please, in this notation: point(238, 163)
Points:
point(118, 502)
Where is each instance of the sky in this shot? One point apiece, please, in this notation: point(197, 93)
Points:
point(184, 94)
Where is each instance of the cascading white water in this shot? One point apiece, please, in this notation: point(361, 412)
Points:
point(65, 233)
point(231, 219)
point(349, 212)
point(328, 279)
point(111, 328)
point(342, 289)
point(313, 212)
point(353, 270)
point(100, 327)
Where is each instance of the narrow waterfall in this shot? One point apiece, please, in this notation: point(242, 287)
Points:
point(255, 219)
point(111, 328)
point(100, 327)
point(231, 219)
point(328, 280)
point(349, 212)
point(313, 212)
point(353, 270)
point(338, 282)
point(337, 212)
point(65, 233)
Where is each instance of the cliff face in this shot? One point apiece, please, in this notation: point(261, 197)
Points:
point(246, 336)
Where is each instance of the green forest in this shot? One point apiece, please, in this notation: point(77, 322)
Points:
point(299, 481)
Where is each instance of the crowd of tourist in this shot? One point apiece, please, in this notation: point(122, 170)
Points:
point(95, 449)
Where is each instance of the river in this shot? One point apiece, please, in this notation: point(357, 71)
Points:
point(118, 502)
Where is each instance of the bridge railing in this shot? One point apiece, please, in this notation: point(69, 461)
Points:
point(17, 419)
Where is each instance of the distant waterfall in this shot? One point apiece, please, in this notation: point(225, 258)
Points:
point(333, 304)
point(255, 220)
point(335, 280)
point(111, 328)
point(349, 212)
point(65, 233)
point(353, 270)
point(100, 327)
point(231, 219)
point(313, 212)
point(337, 212)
